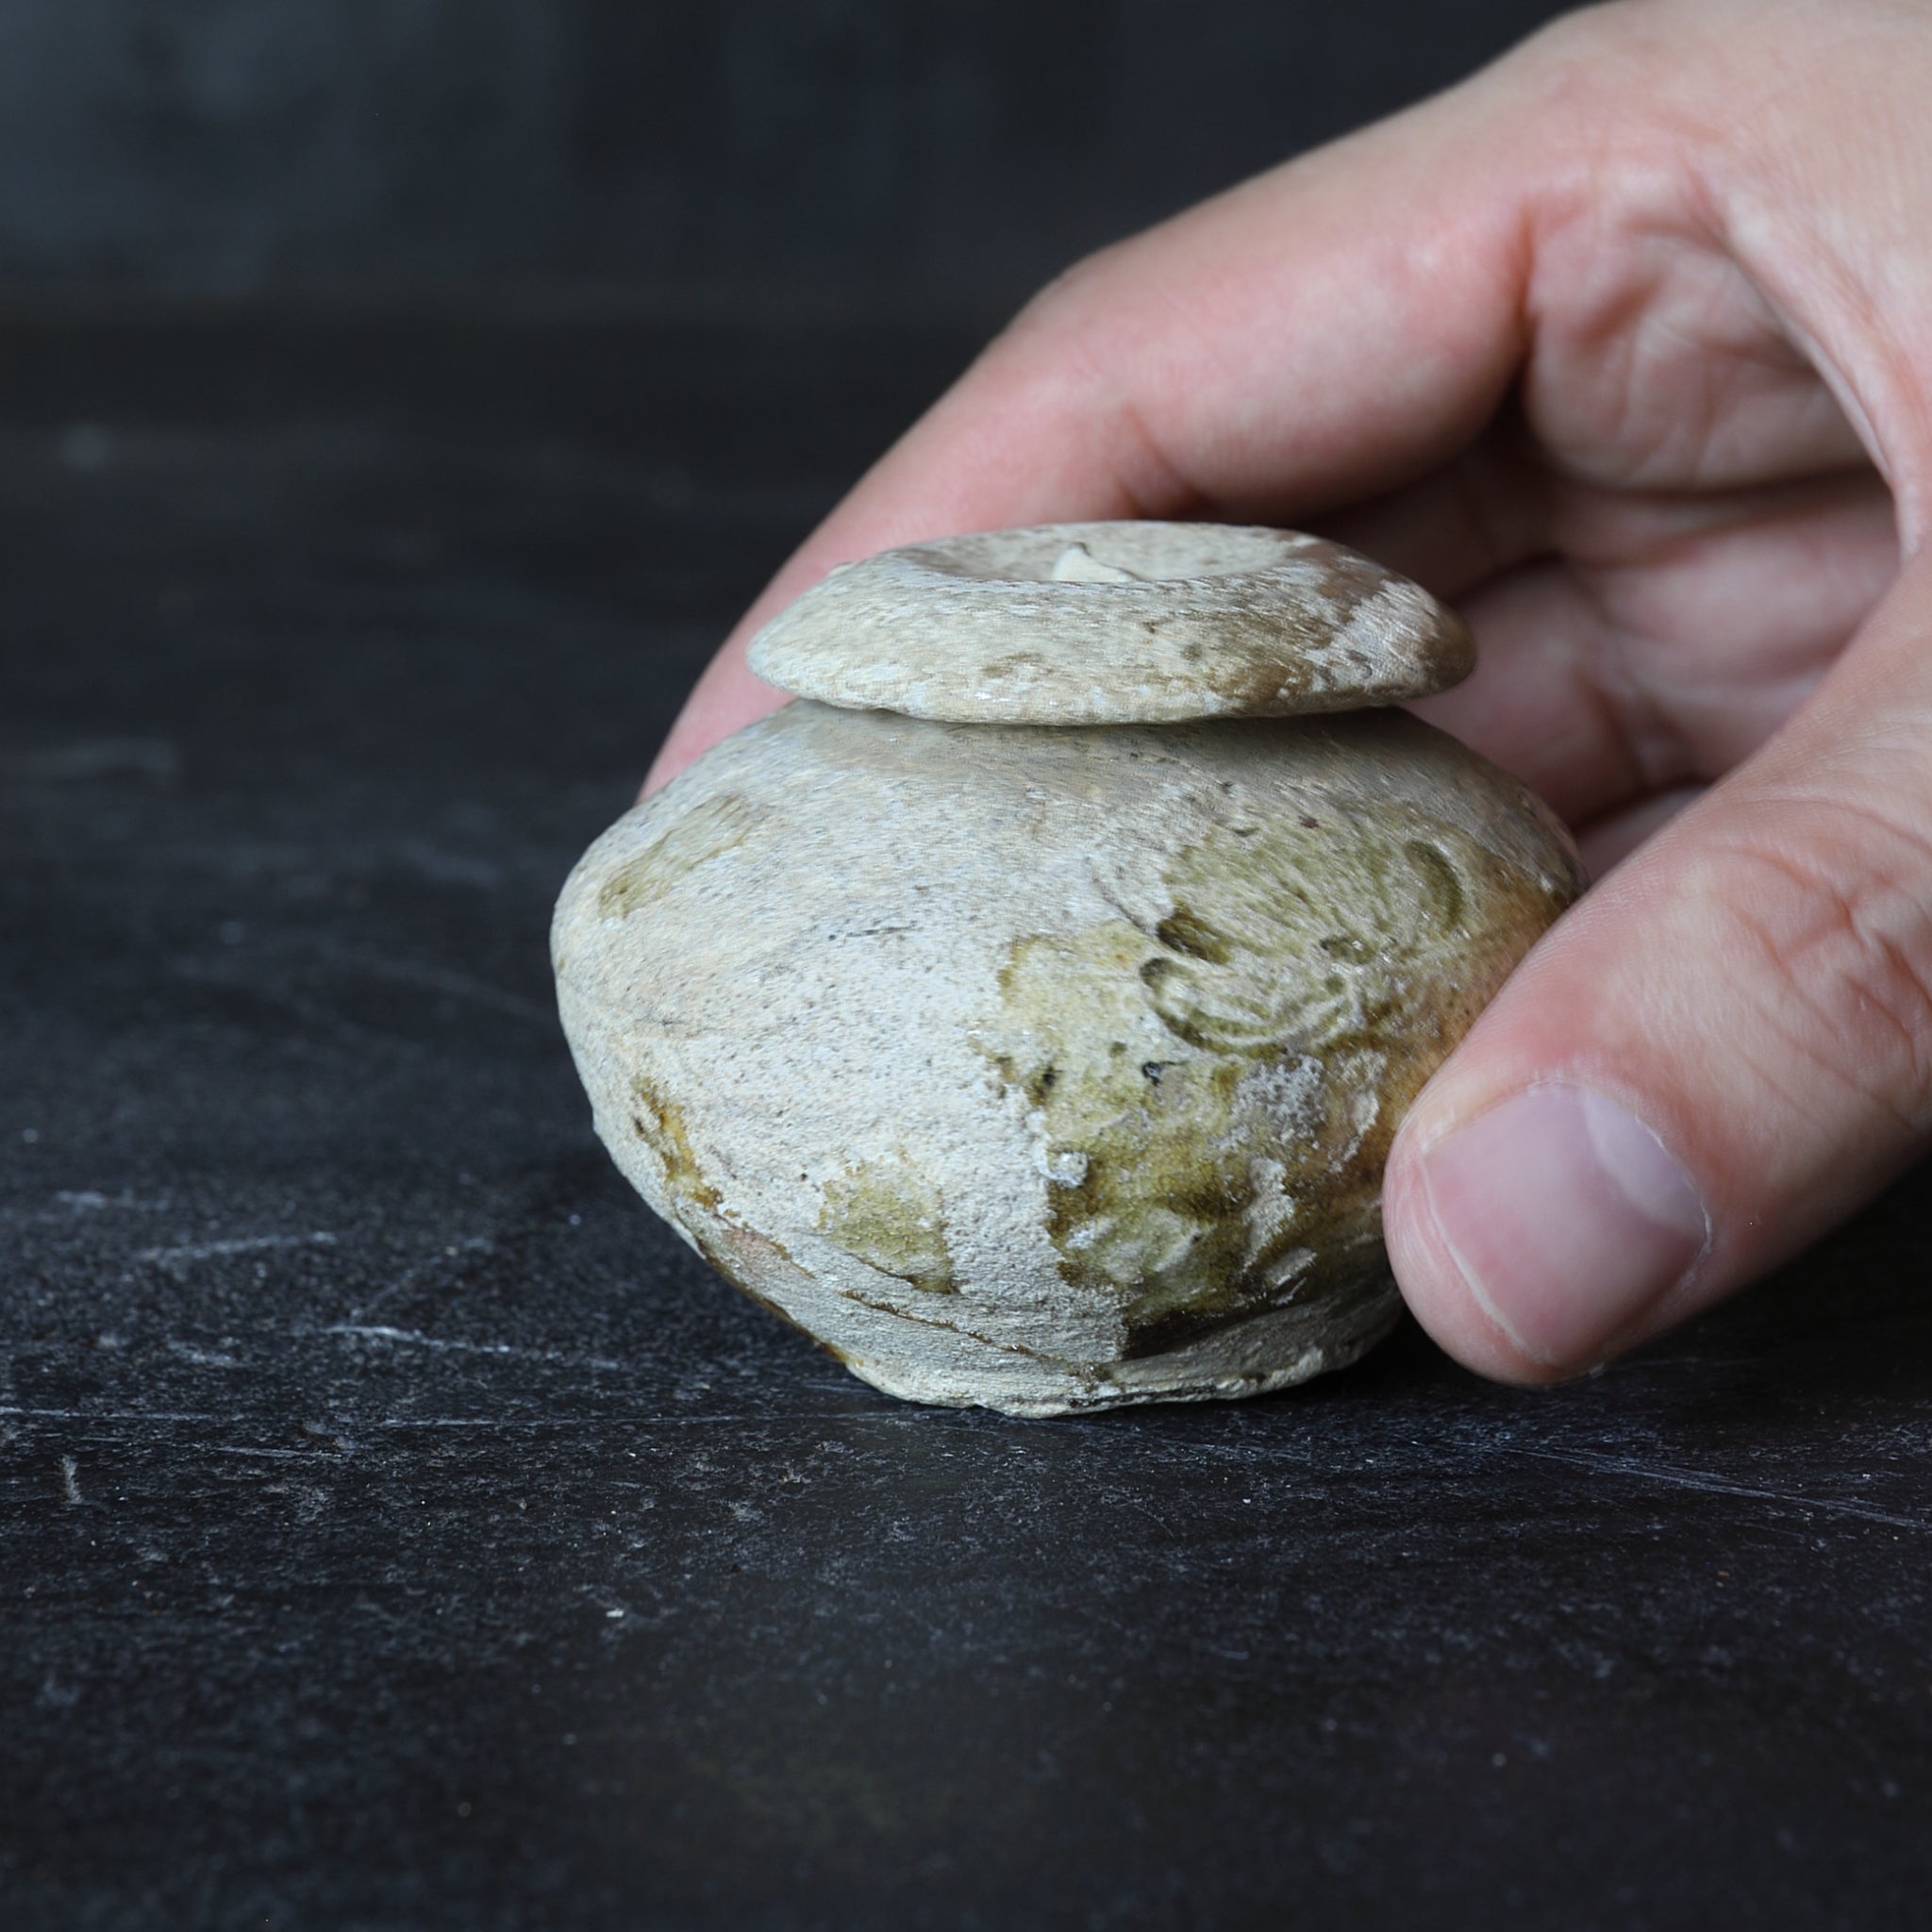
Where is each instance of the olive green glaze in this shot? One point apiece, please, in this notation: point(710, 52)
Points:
point(888, 1215)
point(659, 1124)
point(735, 1250)
point(707, 831)
point(1217, 1096)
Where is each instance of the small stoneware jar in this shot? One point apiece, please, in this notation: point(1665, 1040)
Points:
point(1026, 1012)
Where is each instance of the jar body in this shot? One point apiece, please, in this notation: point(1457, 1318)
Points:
point(1047, 1069)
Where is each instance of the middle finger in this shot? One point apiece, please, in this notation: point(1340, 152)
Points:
point(1666, 640)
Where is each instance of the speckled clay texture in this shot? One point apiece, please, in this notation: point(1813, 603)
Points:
point(1111, 624)
point(1047, 1069)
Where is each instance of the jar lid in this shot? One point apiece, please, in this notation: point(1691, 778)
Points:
point(1114, 623)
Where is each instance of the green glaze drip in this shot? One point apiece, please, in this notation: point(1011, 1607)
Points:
point(659, 1122)
point(888, 1215)
point(707, 831)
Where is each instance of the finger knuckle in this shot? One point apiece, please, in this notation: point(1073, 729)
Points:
point(1841, 920)
point(1078, 297)
point(1579, 41)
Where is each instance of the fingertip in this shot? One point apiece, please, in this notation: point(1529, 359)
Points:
point(1434, 1285)
point(1535, 1236)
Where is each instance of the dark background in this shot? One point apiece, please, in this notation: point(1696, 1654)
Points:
point(953, 153)
point(399, 1529)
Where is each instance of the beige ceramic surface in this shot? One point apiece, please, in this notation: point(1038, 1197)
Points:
point(1047, 1069)
point(1116, 622)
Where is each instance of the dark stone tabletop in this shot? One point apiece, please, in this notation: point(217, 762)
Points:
point(401, 1529)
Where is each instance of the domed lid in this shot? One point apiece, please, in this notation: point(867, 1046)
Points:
point(1114, 623)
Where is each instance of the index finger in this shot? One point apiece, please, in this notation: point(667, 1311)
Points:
point(1320, 333)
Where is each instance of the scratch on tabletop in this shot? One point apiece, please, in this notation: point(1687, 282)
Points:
point(144, 1416)
point(69, 1479)
point(201, 1357)
point(410, 1277)
point(412, 1338)
point(92, 1201)
point(1715, 1486)
point(251, 1245)
point(458, 985)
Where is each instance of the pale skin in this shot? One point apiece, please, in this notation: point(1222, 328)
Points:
point(1625, 346)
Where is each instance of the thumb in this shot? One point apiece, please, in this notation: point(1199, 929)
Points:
point(1721, 1051)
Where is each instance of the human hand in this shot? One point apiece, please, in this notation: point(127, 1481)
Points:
point(1626, 346)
